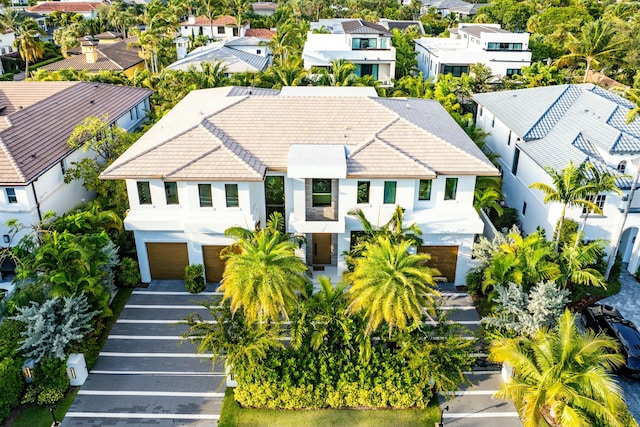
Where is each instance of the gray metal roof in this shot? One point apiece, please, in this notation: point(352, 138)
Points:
point(358, 26)
point(224, 54)
point(477, 30)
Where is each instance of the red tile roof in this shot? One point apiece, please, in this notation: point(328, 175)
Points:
point(65, 6)
point(264, 33)
point(202, 21)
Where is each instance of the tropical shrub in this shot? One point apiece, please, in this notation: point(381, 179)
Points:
point(194, 278)
point(128, 274)
point(10, 331)
point(53, 326)
point(12, 385)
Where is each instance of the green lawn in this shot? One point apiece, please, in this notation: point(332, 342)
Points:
point(235, 416)
point(39, 416)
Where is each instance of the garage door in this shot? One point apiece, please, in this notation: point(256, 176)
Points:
point(444, 258)
point(167, 260)
point(213, 265)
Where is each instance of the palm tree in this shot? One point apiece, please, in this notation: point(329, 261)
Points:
point(340, 73)
point(576, 263)
point(391, 285)
point(263, 276)
point(596, 43)
point(603, 181)
point(562, 375)
point(569, 188)
point(28, 42)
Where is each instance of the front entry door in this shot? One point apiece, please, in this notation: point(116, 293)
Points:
point(321, 248)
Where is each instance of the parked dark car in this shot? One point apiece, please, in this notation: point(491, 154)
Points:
point(607, 319)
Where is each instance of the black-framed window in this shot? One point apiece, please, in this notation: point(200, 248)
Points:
point(597, 200)
point(11, 195)
point(144, 192)
point(513, 71)
point(622, 166)
point(524, 208)
point(363, 191)
point(320, 192)
point(221, 30)
point(516, 160)
point(424, 191)
point(450, 188)
point(390, 192)
point(231, 195)
point(455, 70)
point(274, 194)
point(204, 193)
point(171, 193)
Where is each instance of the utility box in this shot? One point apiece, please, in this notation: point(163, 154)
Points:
point(77, 369)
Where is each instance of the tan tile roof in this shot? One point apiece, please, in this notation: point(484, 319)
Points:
point(202, 21)
point(65, 6)
point(38, 134)
point(116, 56)
point(264, 33)
point(259, 130)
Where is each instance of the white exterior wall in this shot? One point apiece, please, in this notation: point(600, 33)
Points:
point(517, 192)
point(195, 30)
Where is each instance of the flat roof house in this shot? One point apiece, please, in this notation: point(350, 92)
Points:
point(36, 120)
point(502, 51)
point(230, 156)
point(550, 126)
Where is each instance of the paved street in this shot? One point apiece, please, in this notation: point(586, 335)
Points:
point(628, 303)
point(145, 374)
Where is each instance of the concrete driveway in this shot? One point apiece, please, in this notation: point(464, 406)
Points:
point(145, 374)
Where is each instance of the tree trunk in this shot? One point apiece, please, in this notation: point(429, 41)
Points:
point(560, 223)
point(586, 72)
point(582, 227)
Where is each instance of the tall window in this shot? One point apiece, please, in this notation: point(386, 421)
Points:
point(450, 188)
point(144, 193)
point(171, 193)
point(11, 195)
point(321, 192)
point(363, 191)
point(424, 192)
point(622, 166)
point(390, 192)
point(231, 194)
point(516, 160)
point(274, 194)
point(204, 192)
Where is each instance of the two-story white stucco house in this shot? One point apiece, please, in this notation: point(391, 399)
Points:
point(365, 44)
point(230, 156)
point(36, 120)
point(221, 28)
point(502, 51)
point(549, 126)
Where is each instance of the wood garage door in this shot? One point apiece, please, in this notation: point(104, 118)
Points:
point(444, 258)
point(167, 260)
point(213, 265)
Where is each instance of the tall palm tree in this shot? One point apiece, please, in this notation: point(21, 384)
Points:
point(263, 276)
point(577, 265)
point(596, 42)
point(28, 42)
point(391, 285)
point(570, 187)
point(603, 181)
point(562, 375)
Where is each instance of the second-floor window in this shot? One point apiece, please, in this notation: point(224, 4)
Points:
point(204, 193)
point(363, 44)
point(11, 195)
point(450, 188)
point(504, 46)
point(231, 194)
point(363, 191)
point(596, 200)
point(144, 193)
point(424, 192)
point(320, 192)
point(171, 193)
point(516, 160)
point(390, 192)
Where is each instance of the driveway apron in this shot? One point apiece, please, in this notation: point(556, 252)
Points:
point(145, 374)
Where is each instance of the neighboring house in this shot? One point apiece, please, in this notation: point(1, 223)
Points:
point(85, 8)
point(365, 44)
point(244, 54)
point(317, 153)
point(224, 27)
point(502, 51)
point(36, 120)
point(103, 52)
point(391, 24)
point(460, 8)
point(264, 8)
point(550, 126)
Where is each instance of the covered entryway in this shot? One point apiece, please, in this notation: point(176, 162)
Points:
point(321, 248)
point(444, 258)
point(213, 264)
point(167, 260)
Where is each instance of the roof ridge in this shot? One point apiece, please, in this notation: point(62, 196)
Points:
point(192, 161)
point(370, 139)
point(405, 155)
point(234, 147)
point(555, 104)
point(12, 160)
